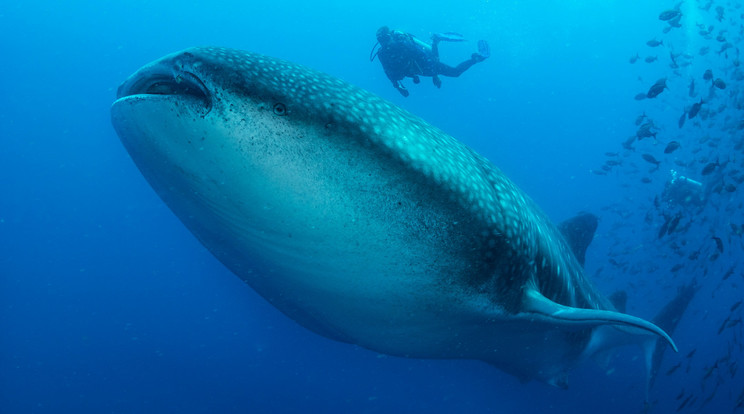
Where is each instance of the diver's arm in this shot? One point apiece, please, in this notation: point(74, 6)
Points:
point(396, 82)
point(390, 57)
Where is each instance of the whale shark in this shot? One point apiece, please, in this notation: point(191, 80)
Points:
point(361, 221)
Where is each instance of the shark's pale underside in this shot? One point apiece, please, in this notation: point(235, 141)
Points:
point(359, 220)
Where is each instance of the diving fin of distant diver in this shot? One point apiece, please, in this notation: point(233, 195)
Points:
point(448, 37)
point(483, 49)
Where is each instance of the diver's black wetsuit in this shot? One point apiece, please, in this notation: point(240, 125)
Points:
point(447, 70)
point(403, 56)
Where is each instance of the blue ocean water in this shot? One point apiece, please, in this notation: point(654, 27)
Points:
point(108, 303)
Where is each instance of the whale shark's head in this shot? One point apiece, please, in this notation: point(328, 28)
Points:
point(182, 111)
point(207, 83)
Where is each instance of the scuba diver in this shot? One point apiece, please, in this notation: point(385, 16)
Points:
point(683, 191)
point(402, 55)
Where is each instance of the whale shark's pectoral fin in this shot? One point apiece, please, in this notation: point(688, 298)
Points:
point(537, 304)
point(609, 329)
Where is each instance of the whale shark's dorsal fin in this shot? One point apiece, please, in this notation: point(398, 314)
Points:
point(579, 232)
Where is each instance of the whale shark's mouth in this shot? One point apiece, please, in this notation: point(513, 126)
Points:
point(180, 84)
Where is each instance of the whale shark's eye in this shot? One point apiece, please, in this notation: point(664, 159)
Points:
point(280, 109)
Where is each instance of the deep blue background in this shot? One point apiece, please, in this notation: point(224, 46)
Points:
point(108, 304)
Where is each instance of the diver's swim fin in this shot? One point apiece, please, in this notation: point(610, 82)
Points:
point(483, 52)
point(448, 37)
point(483, 49)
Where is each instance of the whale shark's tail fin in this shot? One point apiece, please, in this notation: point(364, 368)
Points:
point(667, 319)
